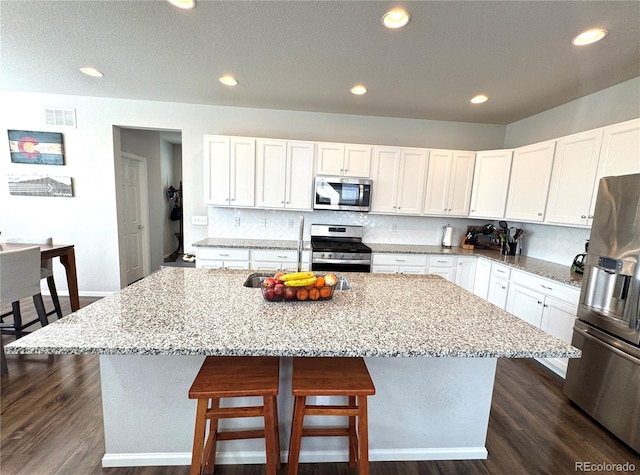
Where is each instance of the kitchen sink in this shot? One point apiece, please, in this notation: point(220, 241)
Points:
point(255, 280)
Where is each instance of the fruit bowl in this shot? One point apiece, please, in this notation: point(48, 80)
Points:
point(278, 291)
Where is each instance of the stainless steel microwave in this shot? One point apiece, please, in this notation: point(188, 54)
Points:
point(342, 193)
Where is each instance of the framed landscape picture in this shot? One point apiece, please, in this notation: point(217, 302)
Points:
point(40, 148)
point(40, 185)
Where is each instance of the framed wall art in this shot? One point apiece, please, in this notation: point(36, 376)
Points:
point(40, 148)
point(40, 185)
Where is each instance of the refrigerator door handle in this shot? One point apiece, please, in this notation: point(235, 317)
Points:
point(609, 345)
point(633, 300)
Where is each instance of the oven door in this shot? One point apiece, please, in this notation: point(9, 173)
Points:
point(336, 265)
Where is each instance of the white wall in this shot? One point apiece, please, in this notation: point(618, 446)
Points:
point(609, 106)
point(89, 219)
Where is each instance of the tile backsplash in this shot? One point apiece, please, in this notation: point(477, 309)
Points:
point(552, 243)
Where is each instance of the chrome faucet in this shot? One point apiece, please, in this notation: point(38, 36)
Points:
point(300, 242)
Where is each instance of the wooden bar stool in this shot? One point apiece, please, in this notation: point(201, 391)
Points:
point(227, 377)
point(332, 377)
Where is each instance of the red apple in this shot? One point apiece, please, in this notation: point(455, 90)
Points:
point(277, 277)
point(278, 290)
point(269, 294)
point(290, 293)
point(269, 282)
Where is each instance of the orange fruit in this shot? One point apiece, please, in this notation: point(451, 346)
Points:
point(325, 292)
point(319, 281)
point(302, 294)
point(314, 294)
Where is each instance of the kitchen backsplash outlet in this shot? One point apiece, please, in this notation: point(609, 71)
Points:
point(551, 243)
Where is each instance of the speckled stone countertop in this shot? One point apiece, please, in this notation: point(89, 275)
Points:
point(182, 311)
point(550, 270)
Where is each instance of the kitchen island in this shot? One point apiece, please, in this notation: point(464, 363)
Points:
point(431, 348)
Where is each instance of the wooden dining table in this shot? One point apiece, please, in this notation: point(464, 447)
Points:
point(67, 256)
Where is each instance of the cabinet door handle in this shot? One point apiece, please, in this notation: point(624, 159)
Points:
point(539, 302)
point(545, 305)
point(583, 216)
point(473, 210)
point(503, 287)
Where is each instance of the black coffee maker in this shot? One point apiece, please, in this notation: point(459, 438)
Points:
point(578, 261)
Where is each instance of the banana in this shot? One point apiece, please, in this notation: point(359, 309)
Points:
point(297, 276)
point(301, 282)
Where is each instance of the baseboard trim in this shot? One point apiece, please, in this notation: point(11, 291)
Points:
point(258, 457)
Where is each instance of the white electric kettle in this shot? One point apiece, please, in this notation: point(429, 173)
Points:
point(447, 232)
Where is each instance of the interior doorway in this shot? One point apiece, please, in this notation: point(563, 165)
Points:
point(144, 250)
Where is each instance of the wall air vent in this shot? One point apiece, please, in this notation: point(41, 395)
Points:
point(60, 117)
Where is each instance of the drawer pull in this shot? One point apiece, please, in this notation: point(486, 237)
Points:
point(500, 270)
point(442, 262)
point(223, 254)
point(400, 260)
point(545, 287)
point(283, 257)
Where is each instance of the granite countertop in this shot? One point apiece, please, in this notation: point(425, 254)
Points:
point(550, 270)
point(182, 311)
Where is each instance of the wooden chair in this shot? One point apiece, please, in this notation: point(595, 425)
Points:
point(19, 279)
point(332, 377)
point(46, 269)
point(230, 377)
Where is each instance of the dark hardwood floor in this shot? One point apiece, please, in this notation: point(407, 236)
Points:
point(51, 423)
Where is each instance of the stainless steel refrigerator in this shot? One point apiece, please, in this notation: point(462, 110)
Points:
point(605, 381)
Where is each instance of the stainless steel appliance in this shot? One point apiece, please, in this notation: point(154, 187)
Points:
point(339, 248)
point(605, 381)
point(342, 193)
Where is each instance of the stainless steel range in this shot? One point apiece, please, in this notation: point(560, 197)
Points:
point(339, 248)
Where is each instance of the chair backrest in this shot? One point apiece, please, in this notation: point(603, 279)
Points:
point(32, 240)
point(19, 274)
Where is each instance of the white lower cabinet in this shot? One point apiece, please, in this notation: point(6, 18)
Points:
point(482, 278)
point(548, 305)
point(444, 266)
point(391, 263)
point(499, 285)
point(466, 272)
point(222, 258)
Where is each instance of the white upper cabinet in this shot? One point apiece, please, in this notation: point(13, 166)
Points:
point(573, 177)
point(620, 153)
point(449, 179)
point(529, 181)
point(284, 174)
point(490, 183)
point(399, 176)
point(343, 159)
point(229, 170)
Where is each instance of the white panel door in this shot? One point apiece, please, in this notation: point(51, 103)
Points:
point(412, 175)
point(460, 182)
point(529, 181)
point(330, 159)
point(572, 181)
point(271, 164)
point(438, 182)
point(216, 170)
point(242, 171)
point(134, 219)
point(525, 304)
point(490, 184)
point(357, 160)
point(386, 164)
point(558, 318)
point(299, 185)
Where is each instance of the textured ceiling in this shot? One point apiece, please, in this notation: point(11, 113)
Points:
point(305, 55)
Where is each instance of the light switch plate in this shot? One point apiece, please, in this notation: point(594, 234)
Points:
point(200, 220)
point(236, 221)
point(263, 222)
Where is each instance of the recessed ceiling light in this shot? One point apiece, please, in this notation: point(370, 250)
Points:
point(358, 90)
point(479, 99)
point(589, 36)
point(228, 80)
point(184, 4)
point(89, 71)
point(396, 18)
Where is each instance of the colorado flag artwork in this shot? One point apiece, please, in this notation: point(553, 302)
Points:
point(42, 148)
